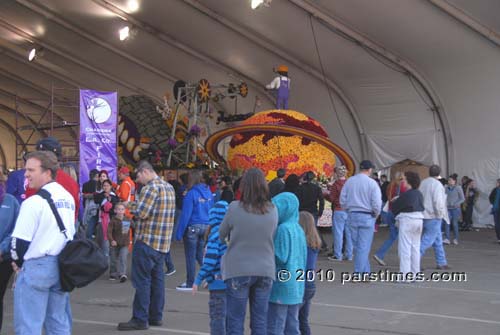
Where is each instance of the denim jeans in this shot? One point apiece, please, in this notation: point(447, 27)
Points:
point(257, 289)
point(147, 279)
point(454, 214)
point(393, 235)
point(91, 223)
point(305, 308)
point(5, 274)
point(169, 263)
point(118, 261)
point(431, 236)
point(362, 226)
point(194, 246)
point(217, 310)
point(339, 228)
point(496, 219)
point(38, 299)
point(283, 319)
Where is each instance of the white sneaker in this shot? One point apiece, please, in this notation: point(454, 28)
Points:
point(446, 241)
point(455, 242)
point(379, 260)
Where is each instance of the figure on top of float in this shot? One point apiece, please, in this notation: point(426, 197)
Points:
point(282, 86)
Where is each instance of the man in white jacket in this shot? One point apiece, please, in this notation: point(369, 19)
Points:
point(434, 213)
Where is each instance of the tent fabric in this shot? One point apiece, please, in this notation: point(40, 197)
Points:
point(389, 80)
point(388, 149)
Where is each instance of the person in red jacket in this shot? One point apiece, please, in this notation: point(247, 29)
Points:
point(52, 144)
point(340, 226)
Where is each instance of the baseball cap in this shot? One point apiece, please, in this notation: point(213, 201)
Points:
point(49, 144)
point(124, 170)
point(366, 164)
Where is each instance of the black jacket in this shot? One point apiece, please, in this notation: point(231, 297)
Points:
point(309, 195)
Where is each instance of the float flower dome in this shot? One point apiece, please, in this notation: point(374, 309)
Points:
point(277, 139)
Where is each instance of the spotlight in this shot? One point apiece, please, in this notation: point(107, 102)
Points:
point(124, 33)
point(35, 53)
point(254, 4)
point(32, 54)
point(132, 6)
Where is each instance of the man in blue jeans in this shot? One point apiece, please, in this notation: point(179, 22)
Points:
point(434, 213)
point(154, 211)
point(362, 199)
point(39, 302)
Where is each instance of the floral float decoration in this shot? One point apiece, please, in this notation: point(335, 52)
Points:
point(274, 139)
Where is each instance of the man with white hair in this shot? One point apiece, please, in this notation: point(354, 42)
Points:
point(362, 199)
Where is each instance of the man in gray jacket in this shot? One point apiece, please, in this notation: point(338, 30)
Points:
point(454, 198)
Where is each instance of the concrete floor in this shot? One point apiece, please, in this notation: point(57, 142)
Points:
point(458, 308)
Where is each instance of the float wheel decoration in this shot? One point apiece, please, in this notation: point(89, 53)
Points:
point(277, 139)
point(203, 90)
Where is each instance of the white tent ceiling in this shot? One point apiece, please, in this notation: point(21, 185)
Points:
point(389, 79)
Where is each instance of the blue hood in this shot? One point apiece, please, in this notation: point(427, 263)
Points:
point(288, 207)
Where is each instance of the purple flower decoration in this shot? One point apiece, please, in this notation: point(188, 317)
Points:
point(172, 143)
point(195, 130)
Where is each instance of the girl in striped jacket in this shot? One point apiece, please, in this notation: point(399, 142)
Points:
point(210, 270)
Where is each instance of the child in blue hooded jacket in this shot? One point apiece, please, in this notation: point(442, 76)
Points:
point(193, 224)
point(290, 250)
point(210, 271)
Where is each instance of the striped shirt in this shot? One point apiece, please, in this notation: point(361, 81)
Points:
point(155, 209)
point(210, 270)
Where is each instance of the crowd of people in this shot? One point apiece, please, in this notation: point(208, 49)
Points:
point(244, 236)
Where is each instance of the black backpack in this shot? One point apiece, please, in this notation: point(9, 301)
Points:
point(81, 261)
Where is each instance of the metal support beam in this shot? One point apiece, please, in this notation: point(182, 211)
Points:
point(47, 13)
point(461, 16)
point(198, 54)
point(338, 27)
point(74, 59)
point(2, 156)
point(287, 56)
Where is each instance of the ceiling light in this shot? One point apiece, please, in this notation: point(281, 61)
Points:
point(32, 54)
point(124, 33)
point(132, 6)
point(35, 53)
point(254, 4)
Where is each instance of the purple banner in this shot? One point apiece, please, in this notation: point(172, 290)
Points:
point(98, 123)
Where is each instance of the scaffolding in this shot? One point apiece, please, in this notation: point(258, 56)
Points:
point(60, 113)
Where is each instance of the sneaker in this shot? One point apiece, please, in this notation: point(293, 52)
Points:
point(443, 267)
point(123, 278)
point(455, 242)
point(379, 260)
point(446, 241)
point(334, 259)
point(112, 278)
point(156, 323)
point(183, 287)
point(349, 259)
point(170, 272)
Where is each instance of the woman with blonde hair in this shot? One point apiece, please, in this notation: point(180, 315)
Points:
point(248, 264)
